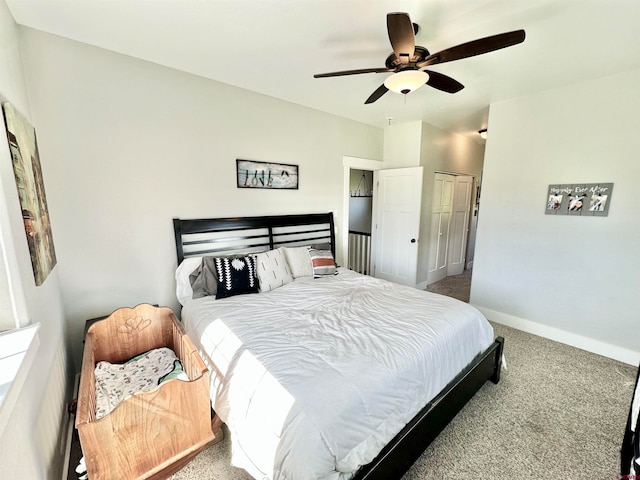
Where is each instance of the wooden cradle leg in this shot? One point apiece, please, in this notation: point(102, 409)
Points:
point(216, 428)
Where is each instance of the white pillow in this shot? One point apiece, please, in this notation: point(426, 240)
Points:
point(272, 269)
point(299, 261)
point(184, 291)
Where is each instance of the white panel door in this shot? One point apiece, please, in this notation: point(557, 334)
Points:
point(397, 224)
point(459, 226)
point(441, 209)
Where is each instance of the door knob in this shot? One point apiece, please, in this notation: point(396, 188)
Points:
point(413, 240)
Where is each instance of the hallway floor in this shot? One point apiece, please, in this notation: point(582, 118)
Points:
point(456, 286)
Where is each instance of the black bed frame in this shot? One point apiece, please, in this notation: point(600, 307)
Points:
point(221, 236)
point(255, 234)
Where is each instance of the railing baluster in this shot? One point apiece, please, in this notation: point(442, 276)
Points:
point(359, 251)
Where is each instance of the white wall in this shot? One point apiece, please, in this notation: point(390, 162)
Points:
point(131, 145)
point(30, 443)
point(402, 145)
point(571, 278)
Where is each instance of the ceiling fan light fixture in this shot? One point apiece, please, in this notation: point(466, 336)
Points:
point(483, 133)
point(406, 81)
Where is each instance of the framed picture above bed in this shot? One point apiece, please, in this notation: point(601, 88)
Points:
point(252, 174)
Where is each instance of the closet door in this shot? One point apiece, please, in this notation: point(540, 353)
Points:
point(459, 226)
point(442, 208)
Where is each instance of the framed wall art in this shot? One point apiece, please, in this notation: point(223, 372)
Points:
point(252, 174)
point(33, 201)
point(580, 199)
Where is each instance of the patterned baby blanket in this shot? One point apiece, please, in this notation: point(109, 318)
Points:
point(115, 382)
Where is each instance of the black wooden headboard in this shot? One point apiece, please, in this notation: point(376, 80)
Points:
point(224, 236)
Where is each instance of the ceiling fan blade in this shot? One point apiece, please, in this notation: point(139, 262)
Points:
point(475, 47)
point(352, 72)
point(401, 36)
point(381, 90)
point(443, 82)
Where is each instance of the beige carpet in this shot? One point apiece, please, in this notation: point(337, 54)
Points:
point(456, 286)
point(557, 413)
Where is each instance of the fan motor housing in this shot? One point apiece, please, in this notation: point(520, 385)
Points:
point(393, 63)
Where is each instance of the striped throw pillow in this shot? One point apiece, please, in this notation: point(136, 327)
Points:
point(323, 263)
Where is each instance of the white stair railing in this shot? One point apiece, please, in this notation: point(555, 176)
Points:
point(360, 252)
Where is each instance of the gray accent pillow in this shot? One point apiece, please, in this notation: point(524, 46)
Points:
point(204, 280)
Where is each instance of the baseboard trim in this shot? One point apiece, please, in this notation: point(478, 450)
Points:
point(72, 417)
point(614, 352)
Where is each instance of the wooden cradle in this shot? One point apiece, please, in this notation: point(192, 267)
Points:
point(150, 435)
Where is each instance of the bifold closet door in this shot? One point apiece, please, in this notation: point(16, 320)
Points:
point(441, 210)
point(459, 225)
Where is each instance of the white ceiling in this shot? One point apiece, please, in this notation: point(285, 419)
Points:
point(275, 46)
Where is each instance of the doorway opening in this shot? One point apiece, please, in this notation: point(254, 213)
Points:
point(452, 240)
point(394, 222)
point(360, 220)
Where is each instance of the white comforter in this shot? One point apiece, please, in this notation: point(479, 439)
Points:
point(315, 377)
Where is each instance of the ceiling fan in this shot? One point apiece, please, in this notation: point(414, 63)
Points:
point(408, 60)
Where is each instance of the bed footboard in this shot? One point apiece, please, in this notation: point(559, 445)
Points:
point(398, 456)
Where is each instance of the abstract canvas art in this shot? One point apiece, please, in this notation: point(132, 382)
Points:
point(29, 182)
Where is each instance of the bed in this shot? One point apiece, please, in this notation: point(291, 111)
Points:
point(338, 376)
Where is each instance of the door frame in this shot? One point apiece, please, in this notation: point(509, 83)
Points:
point(475, 180)
point(349, 163)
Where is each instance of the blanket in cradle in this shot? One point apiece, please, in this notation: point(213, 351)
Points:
point(142, 373)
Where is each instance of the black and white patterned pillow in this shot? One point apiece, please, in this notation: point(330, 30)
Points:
point(236, 276)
